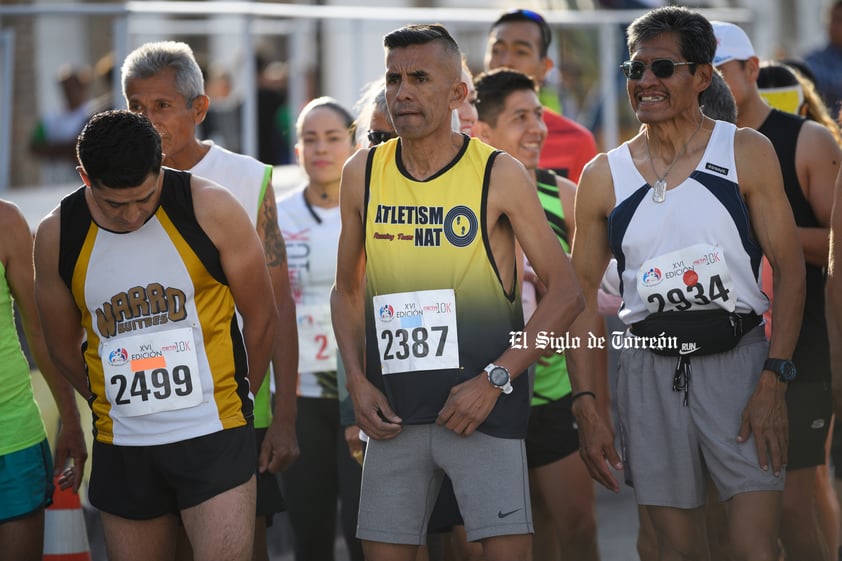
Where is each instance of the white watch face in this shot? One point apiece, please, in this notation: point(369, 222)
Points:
point(499, 376)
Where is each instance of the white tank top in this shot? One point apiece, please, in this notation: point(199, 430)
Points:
point(244, 176)
point(693, 251)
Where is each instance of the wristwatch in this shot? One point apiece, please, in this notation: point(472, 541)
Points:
point(785, 369)
point(499, 378)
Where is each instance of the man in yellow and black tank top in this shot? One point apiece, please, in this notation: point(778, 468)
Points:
point(426, 236)
point(426, 312)
point(161, 275)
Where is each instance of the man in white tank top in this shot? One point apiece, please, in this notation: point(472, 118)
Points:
point(688, 206)
point(163, 81)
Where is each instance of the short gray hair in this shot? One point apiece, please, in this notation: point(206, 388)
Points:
point(151, 58)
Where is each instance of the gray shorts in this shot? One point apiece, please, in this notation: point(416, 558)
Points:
point(667, 447)
point(402, 476)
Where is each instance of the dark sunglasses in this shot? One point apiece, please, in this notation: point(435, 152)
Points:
point(661, 68)
point(379, 137)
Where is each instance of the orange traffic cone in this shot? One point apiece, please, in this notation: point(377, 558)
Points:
point(65, 535)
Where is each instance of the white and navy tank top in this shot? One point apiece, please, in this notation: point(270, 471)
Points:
point(693, 251)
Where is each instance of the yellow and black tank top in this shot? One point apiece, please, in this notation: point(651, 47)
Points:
point(436, 310)
point(164, 349)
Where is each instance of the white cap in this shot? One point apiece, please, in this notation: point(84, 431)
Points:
point(732, 43)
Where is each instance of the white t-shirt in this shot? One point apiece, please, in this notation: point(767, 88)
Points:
point(311, 234)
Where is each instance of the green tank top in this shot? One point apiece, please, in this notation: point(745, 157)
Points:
point(20, 418)
point(551, 380)
point(262, 404)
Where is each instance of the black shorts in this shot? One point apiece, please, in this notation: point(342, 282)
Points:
point(144, 482)
point(836, 449)
point(446, 512)
point(552, 434)
point(270, 500)
point(809, 407)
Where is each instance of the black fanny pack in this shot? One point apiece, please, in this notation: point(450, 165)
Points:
point(701, 332)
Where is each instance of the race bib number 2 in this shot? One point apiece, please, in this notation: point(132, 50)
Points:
point(316, 344)
point(416, 331)
point(152, 372)
point(693, 278)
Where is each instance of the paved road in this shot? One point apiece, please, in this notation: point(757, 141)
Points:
point(617, 519)
point(616, 516)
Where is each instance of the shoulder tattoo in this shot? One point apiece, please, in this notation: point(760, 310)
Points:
point(273, 242)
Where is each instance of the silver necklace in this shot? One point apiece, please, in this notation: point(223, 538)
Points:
point(659, 194)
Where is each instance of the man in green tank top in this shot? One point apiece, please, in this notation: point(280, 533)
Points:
point(510, 119)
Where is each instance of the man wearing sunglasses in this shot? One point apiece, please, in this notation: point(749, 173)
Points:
point(520, 40)
point(688, 207)
point(809, 159)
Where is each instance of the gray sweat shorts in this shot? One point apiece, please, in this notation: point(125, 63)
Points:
point(402, 476)
point(667, 446)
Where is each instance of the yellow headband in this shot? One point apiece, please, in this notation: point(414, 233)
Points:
point(788, 99)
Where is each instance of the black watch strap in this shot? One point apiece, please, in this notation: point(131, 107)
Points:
point(783, 368)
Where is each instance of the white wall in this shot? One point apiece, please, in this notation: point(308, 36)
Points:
point(354, 51)
point(790, 26)
point(61, 40)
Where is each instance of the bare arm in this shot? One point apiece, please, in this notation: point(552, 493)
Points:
point(373, 413)
point(817, 159)
point(512, 195)
point(774, 227)
point(280, 445)
point(594, 200)
point(567, 197)
point(567, 194)
point(243, 261)
point(61, 322)
point(16, 250)
point(833, 294)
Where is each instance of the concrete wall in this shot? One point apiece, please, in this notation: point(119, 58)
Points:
point(350, 51)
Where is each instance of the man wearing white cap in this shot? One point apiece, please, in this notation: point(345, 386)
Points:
point(809, 159)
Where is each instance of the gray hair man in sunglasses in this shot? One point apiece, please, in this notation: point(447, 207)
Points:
point(809, 159)
point(688, 207)
point(520, 40)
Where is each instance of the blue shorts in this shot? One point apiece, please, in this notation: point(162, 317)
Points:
point(26, 481)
